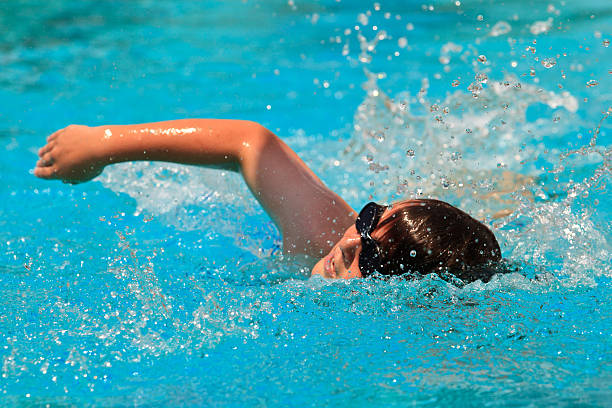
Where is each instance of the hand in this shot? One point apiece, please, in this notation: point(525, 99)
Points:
point(71, 155)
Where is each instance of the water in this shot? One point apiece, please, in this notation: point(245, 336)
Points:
point(163, 285)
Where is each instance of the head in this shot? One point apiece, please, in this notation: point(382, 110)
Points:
point(414, 237)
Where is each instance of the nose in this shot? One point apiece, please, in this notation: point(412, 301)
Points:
point(350, 246)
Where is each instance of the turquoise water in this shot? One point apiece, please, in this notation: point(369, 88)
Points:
point(162, 285)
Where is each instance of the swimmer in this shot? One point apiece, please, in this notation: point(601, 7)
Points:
point(411, 237)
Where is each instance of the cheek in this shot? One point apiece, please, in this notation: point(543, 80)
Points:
point(355, 272)
point(318, 268)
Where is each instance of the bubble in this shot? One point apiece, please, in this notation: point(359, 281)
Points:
point(592, 83)
point(413, 253)
point(410, 153)
point(455, 83)
point(402, 42)
point(549, 62)
point(479, 17)
point(606, 43)
point(482, 59)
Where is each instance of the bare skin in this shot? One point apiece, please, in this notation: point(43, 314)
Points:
point(311, 217)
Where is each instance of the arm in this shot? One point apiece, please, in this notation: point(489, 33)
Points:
point(310, 216)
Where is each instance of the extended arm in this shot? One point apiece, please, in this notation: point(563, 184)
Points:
point(310, 216)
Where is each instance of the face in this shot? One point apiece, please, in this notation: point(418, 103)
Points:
point(342, 262)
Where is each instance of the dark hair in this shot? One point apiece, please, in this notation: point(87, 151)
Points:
point(425, 236)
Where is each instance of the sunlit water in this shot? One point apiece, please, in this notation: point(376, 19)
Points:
point(163, 285)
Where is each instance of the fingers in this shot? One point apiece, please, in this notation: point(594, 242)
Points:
point(54, 135)
point(45, 149)
point(46, 160)
point(45, 172)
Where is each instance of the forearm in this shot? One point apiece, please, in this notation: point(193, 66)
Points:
point(310, 215)
point(189, 141)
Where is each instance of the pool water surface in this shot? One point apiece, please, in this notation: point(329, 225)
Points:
point(163, 285)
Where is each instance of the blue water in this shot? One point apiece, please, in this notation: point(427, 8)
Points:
point(162, 285)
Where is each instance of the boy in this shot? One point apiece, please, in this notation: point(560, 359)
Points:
point(413, 236)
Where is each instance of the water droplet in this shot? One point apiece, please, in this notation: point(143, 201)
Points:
point(455, 83)
point(606, 43)
point(479, 17)
point(410, 153)
point(363, 19)
point(500, 28)
point(380, 136)
point(540, 27)
point(413, 253)
point(402, 42)
point(591, 83)
point(549, 62)
point(482, 59)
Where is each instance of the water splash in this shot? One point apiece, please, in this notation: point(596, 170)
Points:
point(196, 199)
point(485, 152)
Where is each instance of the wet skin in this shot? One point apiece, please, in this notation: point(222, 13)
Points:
point(342, 261)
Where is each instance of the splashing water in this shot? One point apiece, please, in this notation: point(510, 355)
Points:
point(163, 284)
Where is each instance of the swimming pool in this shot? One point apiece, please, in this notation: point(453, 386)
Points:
point(162, 285)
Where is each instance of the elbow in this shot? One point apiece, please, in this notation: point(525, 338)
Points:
point(256, 138)
point(259, 132)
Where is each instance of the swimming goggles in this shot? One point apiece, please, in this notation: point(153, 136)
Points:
point(370, 258)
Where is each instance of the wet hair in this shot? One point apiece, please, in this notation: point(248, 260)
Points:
point(426, 235)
